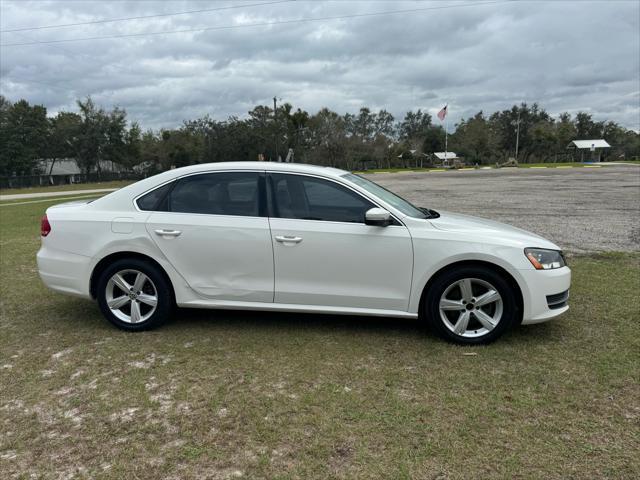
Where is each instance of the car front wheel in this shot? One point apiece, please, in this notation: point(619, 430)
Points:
point(134, 295)
point(471, 305)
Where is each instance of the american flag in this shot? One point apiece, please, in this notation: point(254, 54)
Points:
point(442, 113)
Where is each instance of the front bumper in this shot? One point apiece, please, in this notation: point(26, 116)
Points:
point(544, 295)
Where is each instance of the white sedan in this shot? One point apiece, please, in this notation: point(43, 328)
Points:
point(296, 238)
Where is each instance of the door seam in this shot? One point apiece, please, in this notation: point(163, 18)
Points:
point(273, 261)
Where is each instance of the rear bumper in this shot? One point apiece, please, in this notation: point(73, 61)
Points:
point(64, 272)
point(547, 292)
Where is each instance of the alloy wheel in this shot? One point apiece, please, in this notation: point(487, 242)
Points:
point(131, 296)
point(471, 307)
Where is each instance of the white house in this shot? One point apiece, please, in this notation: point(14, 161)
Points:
point(63, 166)
point(68, 166)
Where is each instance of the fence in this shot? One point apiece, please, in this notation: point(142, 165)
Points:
point(66, 179)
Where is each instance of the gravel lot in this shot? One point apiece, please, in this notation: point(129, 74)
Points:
point(580, 209)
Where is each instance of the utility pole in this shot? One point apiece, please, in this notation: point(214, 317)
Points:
point(275, 120)
point(517, 134)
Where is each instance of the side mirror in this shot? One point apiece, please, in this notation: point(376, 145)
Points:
point(378, 217)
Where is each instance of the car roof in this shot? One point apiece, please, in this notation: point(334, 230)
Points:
point(270, 166)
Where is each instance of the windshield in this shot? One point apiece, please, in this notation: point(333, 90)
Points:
point(389, 197)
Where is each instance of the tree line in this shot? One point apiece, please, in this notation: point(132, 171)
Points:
point(93, 135)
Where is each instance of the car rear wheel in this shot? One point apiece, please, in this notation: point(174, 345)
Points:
point(471, 305)
point(134, 295)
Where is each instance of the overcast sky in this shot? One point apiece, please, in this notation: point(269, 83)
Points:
point(565, 55)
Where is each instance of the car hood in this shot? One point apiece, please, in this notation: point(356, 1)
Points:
point(455, 222)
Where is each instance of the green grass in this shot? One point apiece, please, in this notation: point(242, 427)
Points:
point(219, 394)
point(67, 188)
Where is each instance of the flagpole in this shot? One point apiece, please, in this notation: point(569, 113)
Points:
point(446, 127)
point(443, 116)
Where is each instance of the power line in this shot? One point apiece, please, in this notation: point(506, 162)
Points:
point(262, 24)
point(57, 47)
point(142, 17)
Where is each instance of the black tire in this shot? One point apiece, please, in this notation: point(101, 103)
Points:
point(431, 306)
point(158, 283)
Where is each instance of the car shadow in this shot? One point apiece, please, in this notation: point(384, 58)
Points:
point(273, 322)
point(241, 319)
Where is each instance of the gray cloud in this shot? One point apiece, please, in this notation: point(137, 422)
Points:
point(565, 55)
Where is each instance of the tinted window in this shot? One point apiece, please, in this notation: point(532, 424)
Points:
point(309, 198)
point(232, 193)
point(151, 200)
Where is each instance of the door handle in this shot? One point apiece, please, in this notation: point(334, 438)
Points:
point(287, 239)
point(168, 233)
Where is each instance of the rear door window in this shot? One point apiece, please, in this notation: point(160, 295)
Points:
point(224, 193)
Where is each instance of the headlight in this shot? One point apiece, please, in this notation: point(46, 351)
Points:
point(543, 259)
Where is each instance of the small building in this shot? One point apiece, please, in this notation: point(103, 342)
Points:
point(63, 166)
point(69, 166)
point(595, 147)
point(65, 171)
point(445, 156)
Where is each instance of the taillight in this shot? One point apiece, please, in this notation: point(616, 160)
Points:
point(45, 226)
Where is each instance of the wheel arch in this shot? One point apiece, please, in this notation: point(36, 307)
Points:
point(475, 263)
point(107, 260)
